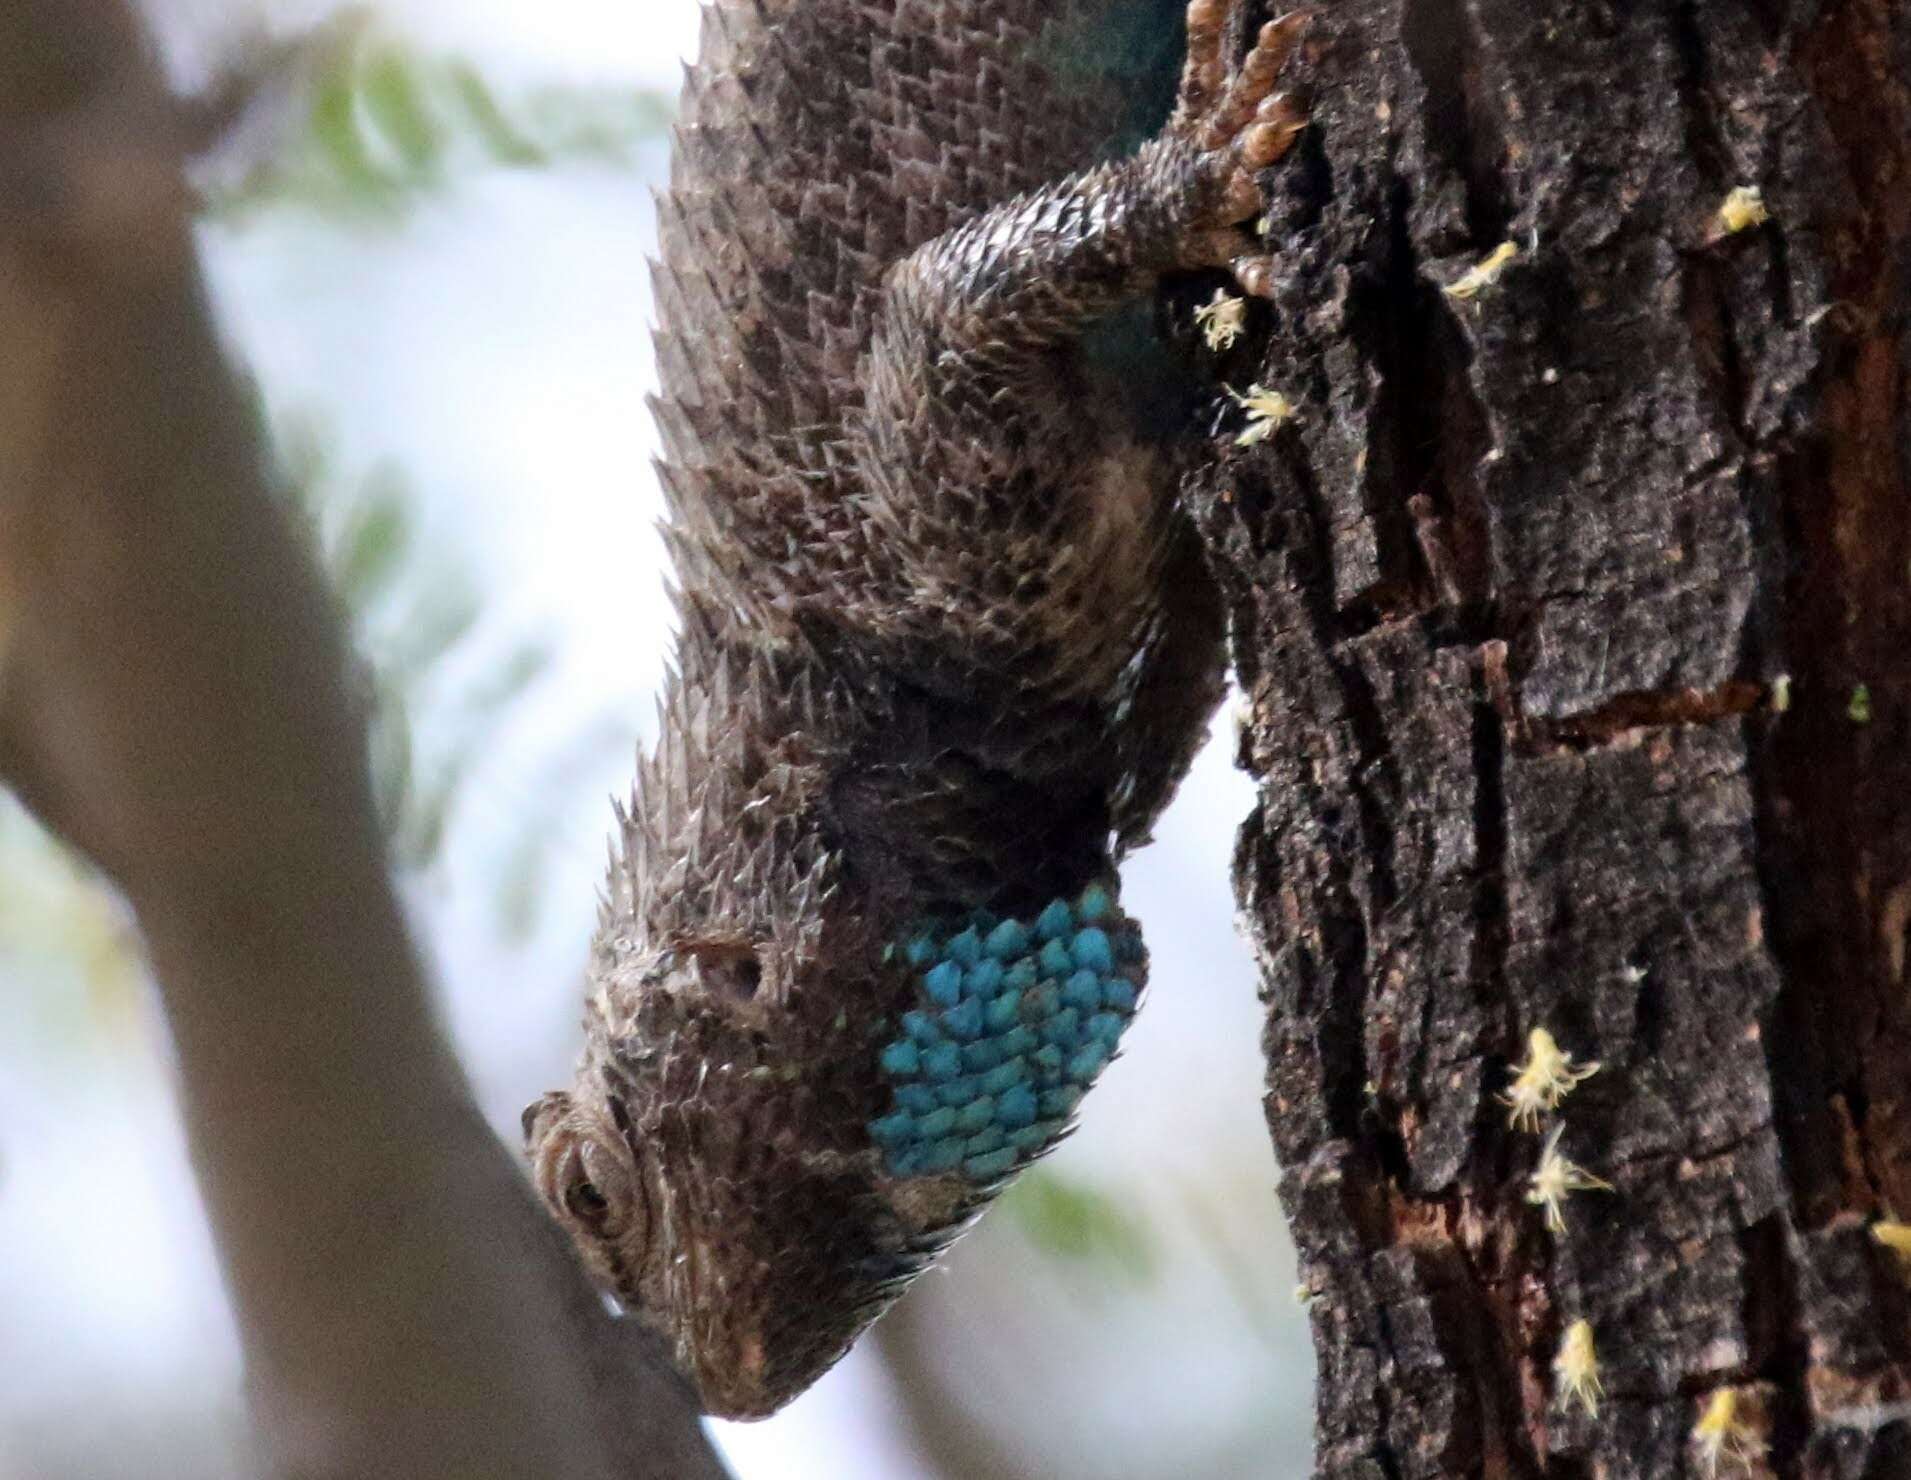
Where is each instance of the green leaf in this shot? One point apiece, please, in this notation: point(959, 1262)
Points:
point(502, 139)
point(442, 617)
point(392, 759)
point(384, 126)
point(335, 133)
point(525, 665)
point(519, 888)
point(1070, 1220)
point(370, 549)
point(394, 90)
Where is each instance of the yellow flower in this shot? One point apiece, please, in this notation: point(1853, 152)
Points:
point(1477, 279)
point(1266, 411)
point(1577, 1367)
point(1556, 1178)
point(1222, 319)
point(1743, 208)
point(1727, 1433)
point(1545, 1079)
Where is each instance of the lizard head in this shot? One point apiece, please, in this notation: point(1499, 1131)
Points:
point(710, 1164)
point(753, 1169)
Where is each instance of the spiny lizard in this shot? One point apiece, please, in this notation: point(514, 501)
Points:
point(946, 647)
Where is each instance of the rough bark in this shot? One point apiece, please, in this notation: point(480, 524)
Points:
point(173, 703)
point(1551, 609)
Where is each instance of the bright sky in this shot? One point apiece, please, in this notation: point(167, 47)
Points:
point(555, 40)
point(583, 39)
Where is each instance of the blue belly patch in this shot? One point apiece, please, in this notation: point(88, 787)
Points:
point(1013, 1020)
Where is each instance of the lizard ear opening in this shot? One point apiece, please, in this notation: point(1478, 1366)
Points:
point(731, 966)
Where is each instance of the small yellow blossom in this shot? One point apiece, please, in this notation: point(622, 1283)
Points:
point(1726, 1434)
point(1577, 1367)
point(1475, 280)
point(1545, 1079)
point(1266, 411)
point(1894, 1236)
point(1743, 208)
point(1222, 319)
point(1555, 1179)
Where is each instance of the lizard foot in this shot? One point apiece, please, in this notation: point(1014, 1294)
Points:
point(1235, 125)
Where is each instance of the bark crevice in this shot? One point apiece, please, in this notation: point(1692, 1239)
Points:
point(1463, 128)
point(1557, 601)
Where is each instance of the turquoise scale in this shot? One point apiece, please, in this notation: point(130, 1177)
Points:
point(1013, 1021)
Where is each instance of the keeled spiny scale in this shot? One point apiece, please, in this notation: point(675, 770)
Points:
point(946, 646)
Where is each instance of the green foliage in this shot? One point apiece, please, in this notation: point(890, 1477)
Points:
point(412, 609)
point(372, 127)
point(1070, 1220)
point(361, 128)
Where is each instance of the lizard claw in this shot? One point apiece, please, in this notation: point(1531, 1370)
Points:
point(1254, 271)
point(1236, 126)
point(1278, 121)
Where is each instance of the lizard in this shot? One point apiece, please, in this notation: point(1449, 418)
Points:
point(946, 645)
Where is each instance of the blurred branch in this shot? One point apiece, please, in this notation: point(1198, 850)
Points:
point(949, 1442)
point(409, 604)
point(412, 605)
point(173, 702)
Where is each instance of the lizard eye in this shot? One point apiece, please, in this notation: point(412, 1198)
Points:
point(595, 1188)
point(587, 1167)
point(586, 1202)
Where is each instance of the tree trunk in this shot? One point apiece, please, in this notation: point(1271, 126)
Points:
point(1572, 615)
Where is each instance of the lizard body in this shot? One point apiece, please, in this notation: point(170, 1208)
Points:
point(946, 647)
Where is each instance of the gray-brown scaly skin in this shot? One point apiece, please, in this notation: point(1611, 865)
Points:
point(946, 644)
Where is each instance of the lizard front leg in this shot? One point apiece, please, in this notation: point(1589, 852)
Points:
point(986, 456)
point(1028, 561)
point(1027, 275)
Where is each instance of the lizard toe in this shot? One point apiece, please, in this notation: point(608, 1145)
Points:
point(1277, 123)
point(1214, 107)
point(1235, 126)
point(1204, 78)
point(1254, 271)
